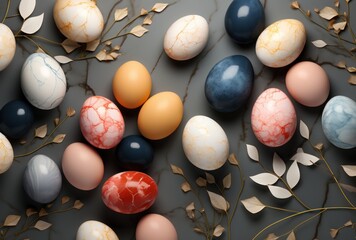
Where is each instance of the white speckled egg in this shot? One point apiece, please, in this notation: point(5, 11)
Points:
point(95, 230)
point(205, 143)
point(43, 81)
point(7, 46)
point(78, 20)
point(281, 43)
point(186, 37)
point(6, 154)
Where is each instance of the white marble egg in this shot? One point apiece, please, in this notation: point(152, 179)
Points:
point(7, 46)
point(43, 81)
point(95, 230)
point(205, 143)
point(78, 20)
point(186, 37)
point(281, 43)
point(6, 154)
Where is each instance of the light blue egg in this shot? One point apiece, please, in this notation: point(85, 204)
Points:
point(339, 122)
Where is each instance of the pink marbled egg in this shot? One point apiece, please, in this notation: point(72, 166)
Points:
point(129, 192)
point(273, 118)
point(101, 122)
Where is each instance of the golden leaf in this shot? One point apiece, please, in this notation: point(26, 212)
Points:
point(295, 5)
point(218, 230)
point(351, 69)
point(138, 31)
point(177, 170)
point(114, 55)
point(101, 55)
point(190, 209)
point(253, 205)
point(26, 8)
point(341, 64)
point(92, 46)
point(339, 26)
point(41, 131)
point(308, 13)
point(159, 7)
point(65, 199)
point(348, 224)
point(316, 10)
point(30, 212)
point(218, 202)
point(143, 12)
point(120, 14)
point(271, 236)
point(319, 146)
point(185, 187)
point(233, 160)
point(42, 212)
point(209, 178)
point(12, 220)
point(32, 24)
point(108, 43)
point(337, 3)
point(334, 232)
point(201, 182)
point(69, 45)
point(319, 43)
point(148, 19)
point(63, 59)
point(227, 181)
point(42, 225)
point(198, 230)
point(78, 204)
point(70, 112)
point(352, 80)
point(116, 48)
point(56, 121)
point(291, 236)
point(59, 138)
point(328, 13)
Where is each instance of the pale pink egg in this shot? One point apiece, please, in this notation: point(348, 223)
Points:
point(273, 118)
point(82, 166)
point(308, 83)
point(101, 122)
point(155, 227)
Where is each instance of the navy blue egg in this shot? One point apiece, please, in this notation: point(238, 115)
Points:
point(244, 20)
point(134, 153)
point(16, 119)
point(229, 83)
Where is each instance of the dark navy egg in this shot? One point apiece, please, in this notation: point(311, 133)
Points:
point(16, 119)
point(134, 153)
point(229, 83)
point(244, 20)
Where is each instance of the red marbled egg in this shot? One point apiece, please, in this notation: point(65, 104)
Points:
point(129, 192)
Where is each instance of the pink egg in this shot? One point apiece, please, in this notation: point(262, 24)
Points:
point(129, 192)
point(82, 166)
point(273, 118)
point(101, 122)
point(308, 84)
point(155, 227)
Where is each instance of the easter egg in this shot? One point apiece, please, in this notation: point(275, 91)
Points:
point(205, 143)
point(129, 192)
point(78, 20)
point(339, 122)
point(155, 227)
point(186, 37)
point(101, 122)
point(160, 115)
point(229, 83)
point(43, 81)
point(95, 230)
point(6, 154)
point(281, 43)
point(7, 46)
point(16, 119)
point(273, 118)
point(82, 166)
point(132, 84)
point(134, 153)
point(244, 20)
point(308, 83)
point(42, 179)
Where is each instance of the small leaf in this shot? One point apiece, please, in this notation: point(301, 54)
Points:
point(143, 12)
point(63, 59)
point(337, 3)
point(291, 236)
point(177, 170)
point(56, 121)
point(334, 232)
point(69, 45)
point(352, 80)
point(32, 24)
point(279, 192)
point(218, 231)
point(92, 46)
point(101, 55)
point(271, 236)
point(252, 152)
point(319, 146)
point(264, 179)
point(339, 26)
point(328, 13)
point(26, 8)
point(42, 225)
point(138, 31)
point(305, 158)
point(341, 64)
point(218, 202)
point(78, 204)
point(350, 170)
point(253, 205)
point(41, 131)
point(279, 166)
point(12, 220)
point(114, 55)
point(159, 7)
point(348, 224)
point(227, 181)
point(233, 160)
point(59, 138)
point(198, 230)
point(319, 43)
point(42, 212)
point(185, 187)
point(351, 69)
point(293, 175)
point(295, 5)
point(30, 212)
point(70, 112)
point(148, 19)
point(190, 210)
point(120, 14)
point(116, 48)
point(210, 178)
point(304, 130)
point(65, 199)
point(348, 188)
point(201, 182)
point(316, 10)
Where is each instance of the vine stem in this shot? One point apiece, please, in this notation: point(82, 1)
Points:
point(7, 11)
point(39, 37)
point(32, 41)
point(281, 209)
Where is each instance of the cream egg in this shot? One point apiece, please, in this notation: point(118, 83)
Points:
point(6, 154)
point(155, 227)
point(7, 46)
point(95, 230)
point(186, 37)
point(82, 166)
point(281, 43)
point(205, 143)
point(78, 20)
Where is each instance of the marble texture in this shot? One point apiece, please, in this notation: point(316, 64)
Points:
point(7, 46)
point(6, 154)
point(95, 230)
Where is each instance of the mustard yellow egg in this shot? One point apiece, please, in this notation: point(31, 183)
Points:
point(132, 84)
point(160, 116)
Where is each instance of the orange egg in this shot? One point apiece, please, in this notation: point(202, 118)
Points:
point(160, 116)
point(132, 84)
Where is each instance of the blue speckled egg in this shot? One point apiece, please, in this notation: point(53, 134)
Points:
point(229, 83)
point(244, 20)
point(42, 179)
point(134, 153)
point(339, 122)
point(16, 119)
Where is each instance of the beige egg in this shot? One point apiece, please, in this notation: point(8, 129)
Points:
point(155, 227)
point(6, 154)
point(7, 46)
point(95, 230)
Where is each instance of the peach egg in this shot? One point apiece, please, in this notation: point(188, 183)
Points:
point(155, 227)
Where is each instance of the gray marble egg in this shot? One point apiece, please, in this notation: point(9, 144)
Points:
point(42, 179)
